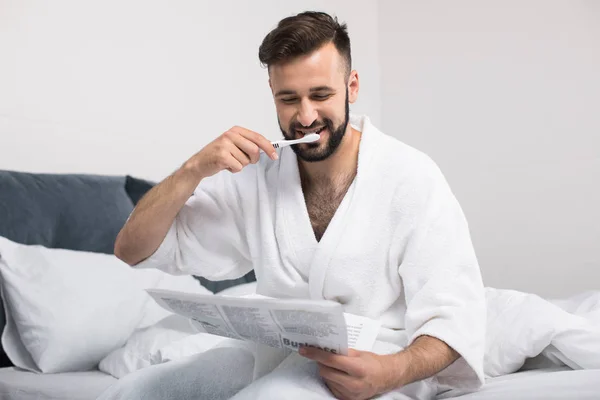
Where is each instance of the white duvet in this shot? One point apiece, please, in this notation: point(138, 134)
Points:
point(522, 326)
point(523, 331)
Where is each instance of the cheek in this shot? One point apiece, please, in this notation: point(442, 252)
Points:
point(285, 114)
point(333, 110)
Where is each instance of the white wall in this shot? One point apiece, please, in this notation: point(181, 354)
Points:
point(505, 96)
point(136, 87)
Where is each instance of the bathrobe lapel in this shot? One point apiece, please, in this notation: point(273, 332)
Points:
point(299, 237)
point(295, 236)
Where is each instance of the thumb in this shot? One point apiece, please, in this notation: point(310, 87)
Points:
point(354, 353)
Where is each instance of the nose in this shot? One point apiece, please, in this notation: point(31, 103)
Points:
point(307, 113)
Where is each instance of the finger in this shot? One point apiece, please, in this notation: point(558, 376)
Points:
point(229, 162)
point(353, 353)
point(258, 139)
point(338, 391)
point(248, 147)
point(335, 375)
point(233, 165)
point(239, 155)
point(342, 363)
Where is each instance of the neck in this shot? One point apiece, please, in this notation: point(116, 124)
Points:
point(341, 163)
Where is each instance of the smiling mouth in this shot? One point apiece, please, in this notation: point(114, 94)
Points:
point(304, 133)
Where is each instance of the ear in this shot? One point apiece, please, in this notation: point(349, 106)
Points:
point(353, 86)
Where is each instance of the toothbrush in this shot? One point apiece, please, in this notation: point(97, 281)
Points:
point(313, 137)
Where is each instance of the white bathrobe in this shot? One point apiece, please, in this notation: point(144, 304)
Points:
point(398, 249)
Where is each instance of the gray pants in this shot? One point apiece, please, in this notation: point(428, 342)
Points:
point(226, 373)
point(213, 375)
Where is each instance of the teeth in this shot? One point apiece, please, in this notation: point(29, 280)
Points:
point(310, 133)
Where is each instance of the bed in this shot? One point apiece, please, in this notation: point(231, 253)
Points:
point(24, 385)
point(549, 384)
point(85, 212)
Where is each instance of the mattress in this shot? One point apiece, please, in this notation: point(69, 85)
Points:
point(22, 385)
point(547, 384)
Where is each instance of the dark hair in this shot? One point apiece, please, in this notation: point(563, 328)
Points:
point(302, 34)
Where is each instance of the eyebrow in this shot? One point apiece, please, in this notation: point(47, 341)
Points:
point(314, 89)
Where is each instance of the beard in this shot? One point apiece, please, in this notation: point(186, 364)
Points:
point(313, 152)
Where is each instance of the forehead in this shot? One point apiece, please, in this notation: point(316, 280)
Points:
point(322, 67)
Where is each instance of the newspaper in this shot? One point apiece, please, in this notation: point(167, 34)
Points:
point(279, 323)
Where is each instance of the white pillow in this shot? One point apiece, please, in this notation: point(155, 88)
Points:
point(153, 313)
point(190, 345)
point(137, 352)
point(170, 339)
point(66, 310)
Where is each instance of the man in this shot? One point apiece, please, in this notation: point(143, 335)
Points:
point(356, 217)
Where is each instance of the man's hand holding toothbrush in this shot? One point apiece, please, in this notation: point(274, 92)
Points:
point(235, 149)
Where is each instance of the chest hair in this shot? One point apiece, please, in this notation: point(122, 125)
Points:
point(323, 197)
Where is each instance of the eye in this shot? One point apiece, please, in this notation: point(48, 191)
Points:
point(321, 97)
point(289, 100)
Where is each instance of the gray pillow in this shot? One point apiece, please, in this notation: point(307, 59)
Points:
point(78, 212)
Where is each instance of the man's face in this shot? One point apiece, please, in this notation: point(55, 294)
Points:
point(311, 95)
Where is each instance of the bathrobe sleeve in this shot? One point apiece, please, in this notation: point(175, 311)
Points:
point(442, 283)
point(207, 237)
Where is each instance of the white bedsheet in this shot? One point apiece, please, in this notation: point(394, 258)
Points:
point(547, 384)
point(23, 385)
